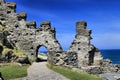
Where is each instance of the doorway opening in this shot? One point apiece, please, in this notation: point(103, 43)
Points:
point(41, 53)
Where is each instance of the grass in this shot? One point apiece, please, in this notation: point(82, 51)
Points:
point(73, 75)
point(13, 71)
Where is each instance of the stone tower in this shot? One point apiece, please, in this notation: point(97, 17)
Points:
point(87, 53)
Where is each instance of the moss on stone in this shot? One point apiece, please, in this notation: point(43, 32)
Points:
point(16, 51)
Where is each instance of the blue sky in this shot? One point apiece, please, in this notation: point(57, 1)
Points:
point(102, 16)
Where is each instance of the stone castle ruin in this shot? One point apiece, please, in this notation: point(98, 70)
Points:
point(16, 32)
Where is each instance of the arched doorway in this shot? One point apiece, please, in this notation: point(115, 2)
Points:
point(43, 50)
point(41, 53)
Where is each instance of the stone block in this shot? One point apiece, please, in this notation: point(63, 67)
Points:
point(93, 70)
point(23, 60)
point(22, 15)
point(81, 25)
point(31, 24)
point(46, 23)
point(11, 5)
point(83, 32)
point(88, 32)
point(97, 62)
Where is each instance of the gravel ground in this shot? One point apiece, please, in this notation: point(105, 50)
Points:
point(39, 71)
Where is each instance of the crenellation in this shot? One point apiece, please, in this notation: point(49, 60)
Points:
point(45, 24)
point(80, 26)
point(22, 15)
point(31, 24)
point(11, 5)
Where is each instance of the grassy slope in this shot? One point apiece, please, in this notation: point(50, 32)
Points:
point(73, 75)
point(13, 71)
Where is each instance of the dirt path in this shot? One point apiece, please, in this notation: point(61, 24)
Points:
point(39, 71)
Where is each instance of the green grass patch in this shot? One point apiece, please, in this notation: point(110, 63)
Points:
point(13, 71)
point(72, 74)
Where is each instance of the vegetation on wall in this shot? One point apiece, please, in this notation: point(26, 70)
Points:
point(16, 51)
point(3, 35)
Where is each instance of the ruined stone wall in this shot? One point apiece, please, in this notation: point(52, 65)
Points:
point(63, 58)
point(81, 53)
point(16, 26)
point(87, 53)
point(23, 34)
point(46, 36)
point(16, 32)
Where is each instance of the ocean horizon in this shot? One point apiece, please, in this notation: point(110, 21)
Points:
point(112, 54)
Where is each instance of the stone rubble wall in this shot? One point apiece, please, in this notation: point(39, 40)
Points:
point(24, 34)
point(87, 54)
point(63, 58)
point(15, 31)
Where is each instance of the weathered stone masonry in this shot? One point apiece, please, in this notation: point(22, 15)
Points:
point(87, 53)
point(24, 35)
point(15, 31)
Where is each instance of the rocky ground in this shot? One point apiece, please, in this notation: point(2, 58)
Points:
point(111, 76)
point(39, 71)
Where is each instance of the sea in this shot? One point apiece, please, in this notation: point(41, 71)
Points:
point(112, 54)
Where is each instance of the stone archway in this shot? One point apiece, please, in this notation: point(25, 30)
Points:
point(38, 47)
point(45, 36)
point(42, 49)
point(40, 55)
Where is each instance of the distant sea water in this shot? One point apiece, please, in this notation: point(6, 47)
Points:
point(113, 54)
